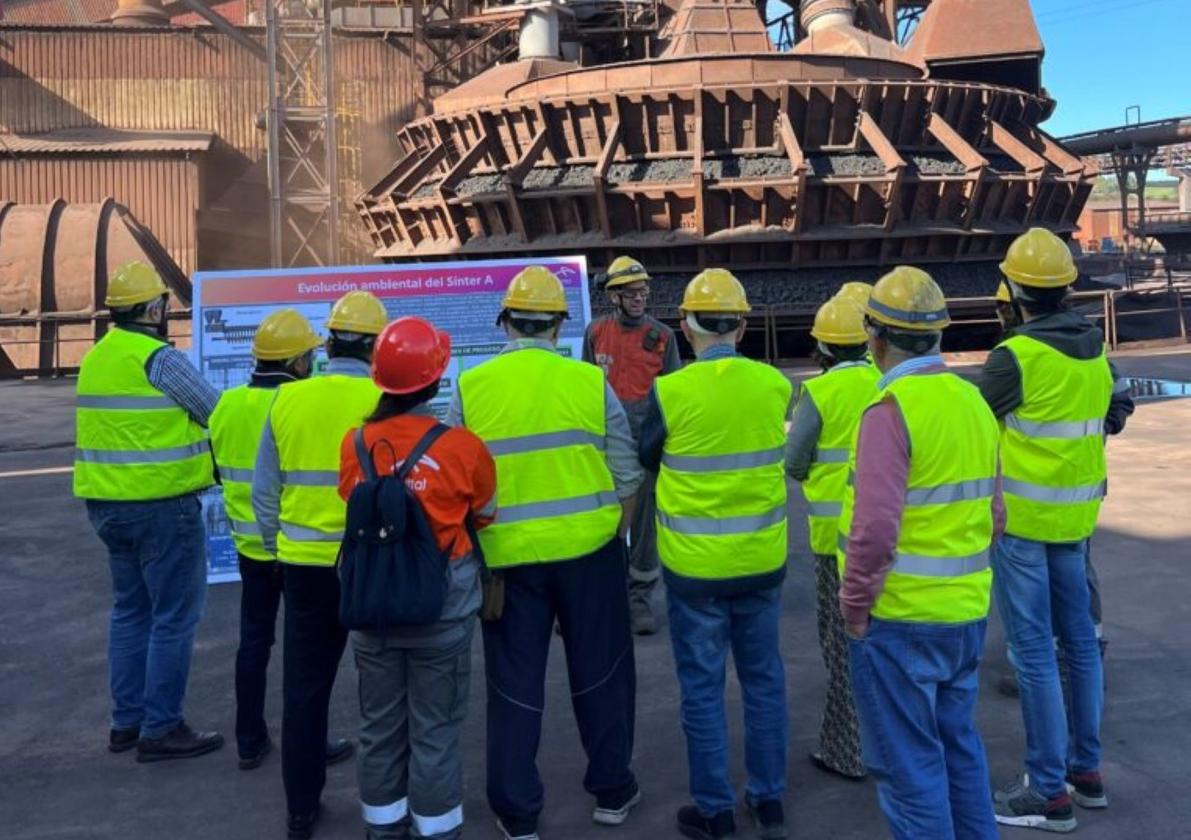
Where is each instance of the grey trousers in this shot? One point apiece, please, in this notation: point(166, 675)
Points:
point(644, 568)
point(413, 700)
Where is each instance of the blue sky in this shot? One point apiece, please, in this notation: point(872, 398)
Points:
point(1105, 55)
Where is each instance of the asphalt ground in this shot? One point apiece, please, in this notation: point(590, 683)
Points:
point(58, 782)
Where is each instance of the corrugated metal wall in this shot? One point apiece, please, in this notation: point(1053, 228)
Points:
point(162, 193)
point(195, 78)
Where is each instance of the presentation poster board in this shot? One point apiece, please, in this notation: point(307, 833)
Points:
point(462, 298)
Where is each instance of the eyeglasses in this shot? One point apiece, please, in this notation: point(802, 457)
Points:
point(634, 294)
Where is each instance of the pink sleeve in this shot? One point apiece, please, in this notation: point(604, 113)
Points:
point(882, 470)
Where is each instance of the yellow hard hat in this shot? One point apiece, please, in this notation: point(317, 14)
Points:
point(856, 291)
point(535, 289)
point(1003, 295)
point(358, 312)
point(908, 299)
point(715, 290)
point(133, 283)
point(625, 270)
point(840, 321)
point(283, 335)
point(1039, 259)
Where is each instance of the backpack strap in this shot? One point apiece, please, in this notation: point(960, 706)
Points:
point(364, 456)
point(415, 455)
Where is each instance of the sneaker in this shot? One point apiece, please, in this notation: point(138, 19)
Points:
point(254, 760)
point(613, 809)
point(516, 833)
point(339, 750)
point(1087, 789)
point(698, 827)
point(1025, 807)
point(769, 819)
point(123, 740)
point(181, 742)
point(301, 826)
point(644, 621)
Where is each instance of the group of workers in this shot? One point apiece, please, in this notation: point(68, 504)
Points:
point(554, 489)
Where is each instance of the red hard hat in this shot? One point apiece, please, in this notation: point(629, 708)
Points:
point(410, 355)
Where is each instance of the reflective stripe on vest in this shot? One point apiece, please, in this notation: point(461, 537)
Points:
point(925, 566)
point(134, 443)
point(144, 456)
point(941, 562)
point(720, 463)
point(309, 420)
point(236, 425)
point(542, 417)
point(1052, 445)
point(839, 396)
point(721, 490)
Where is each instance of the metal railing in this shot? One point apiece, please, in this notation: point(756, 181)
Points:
point(771, 329)
point(50, 341)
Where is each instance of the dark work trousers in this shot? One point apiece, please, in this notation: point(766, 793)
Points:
point(588, 598)
point(314, 642)
point(260, 596)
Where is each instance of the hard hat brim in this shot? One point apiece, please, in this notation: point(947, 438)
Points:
point(1035, 282)
point(132, 300)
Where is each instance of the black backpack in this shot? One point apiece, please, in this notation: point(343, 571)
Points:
point(391, 570)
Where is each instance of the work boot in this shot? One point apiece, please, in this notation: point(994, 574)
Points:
point(698, 827)
point(339, 750)
point(181, 742)
point(769, 818)
point(644, 621)
point(254, 760)
point(301, 826)
point(613, 808)
point(122, 740)
point(1021, 805)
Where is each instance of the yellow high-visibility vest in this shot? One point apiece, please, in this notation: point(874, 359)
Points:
point(840, 395)
point(133, 442)
point(1052, 445)
point(236, 425)
point(542, 417)
point(941, 570)
point(309, 420)
point(721, 491)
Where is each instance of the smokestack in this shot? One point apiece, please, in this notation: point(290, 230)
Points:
point(539, 31)
point(140, 13)
point(816, 15)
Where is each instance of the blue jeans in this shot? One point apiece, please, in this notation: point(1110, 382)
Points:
point(1042, 591)
point(159, 586)
point(915, 687)
point(701, 631)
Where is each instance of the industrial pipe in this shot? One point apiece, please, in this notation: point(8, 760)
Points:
point(140, 13)
point(1149, 134)
point(539, 32)
point(816, 15)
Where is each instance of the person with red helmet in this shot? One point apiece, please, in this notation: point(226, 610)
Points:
point(414, 680)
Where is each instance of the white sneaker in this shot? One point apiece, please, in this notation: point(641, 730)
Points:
point(616, 814)
point(507, 835)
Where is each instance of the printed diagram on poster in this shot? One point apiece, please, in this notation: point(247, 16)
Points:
point(462, 298)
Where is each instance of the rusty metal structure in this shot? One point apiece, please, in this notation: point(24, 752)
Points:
point(849, 150)
point(55, 260)
point(1130, 152)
